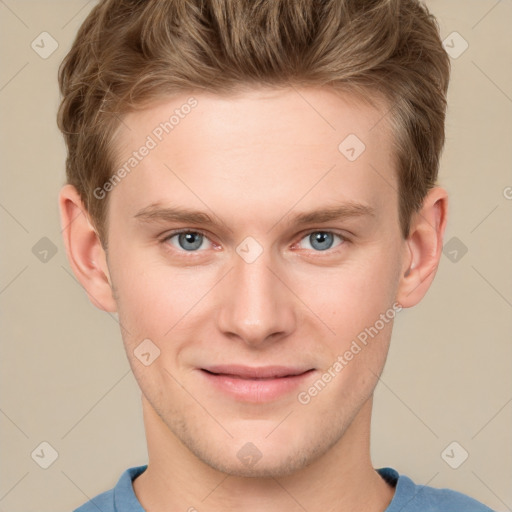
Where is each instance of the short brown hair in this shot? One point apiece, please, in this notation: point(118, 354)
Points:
point(130, 53)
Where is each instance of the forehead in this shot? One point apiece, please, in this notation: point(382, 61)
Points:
point(256, 116)
point(282, 145)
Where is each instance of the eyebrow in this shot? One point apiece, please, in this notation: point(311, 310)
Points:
point(350, 209)
point(337, 212)
point(155, 212)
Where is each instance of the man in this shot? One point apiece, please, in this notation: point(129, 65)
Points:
point(252, 189)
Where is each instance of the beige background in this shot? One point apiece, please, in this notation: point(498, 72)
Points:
point(65, 378)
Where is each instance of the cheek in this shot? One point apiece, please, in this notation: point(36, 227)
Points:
point(155, 300)
point(352, 296)
point(142, 293)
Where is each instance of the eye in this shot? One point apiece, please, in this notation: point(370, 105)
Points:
point(321, 240)
point(188, 241)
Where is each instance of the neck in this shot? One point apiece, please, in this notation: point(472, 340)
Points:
point(341, 479)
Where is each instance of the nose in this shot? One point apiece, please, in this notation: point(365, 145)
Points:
point(256, 306)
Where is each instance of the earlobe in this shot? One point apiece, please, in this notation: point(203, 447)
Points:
point(85, 253)
point(424, 248)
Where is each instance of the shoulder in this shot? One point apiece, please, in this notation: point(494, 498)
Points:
point(103, 502)
point(119, 499)
point(423, 498)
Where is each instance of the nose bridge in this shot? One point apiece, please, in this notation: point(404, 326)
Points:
point(256, 304)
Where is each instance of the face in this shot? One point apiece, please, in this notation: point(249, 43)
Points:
point(252, 232)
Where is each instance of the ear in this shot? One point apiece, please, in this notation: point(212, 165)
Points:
point(424, 248)
point(85, 253)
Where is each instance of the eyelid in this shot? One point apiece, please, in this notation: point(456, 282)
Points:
point(170, 234)
point(341, 234)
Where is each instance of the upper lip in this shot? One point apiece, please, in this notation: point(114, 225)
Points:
point(251, 372)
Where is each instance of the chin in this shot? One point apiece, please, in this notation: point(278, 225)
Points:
point(263, 468)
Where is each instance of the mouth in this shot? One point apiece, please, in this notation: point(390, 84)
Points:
point(255, 384)
point(263, 372)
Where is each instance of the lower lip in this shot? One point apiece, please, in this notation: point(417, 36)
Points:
point(256, 390)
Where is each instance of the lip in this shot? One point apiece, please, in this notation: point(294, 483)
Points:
point(256, 372)
point(256, 385)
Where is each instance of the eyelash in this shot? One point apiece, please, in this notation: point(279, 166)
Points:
point(302, 236)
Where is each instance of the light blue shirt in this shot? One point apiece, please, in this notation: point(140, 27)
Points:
point(408, 497)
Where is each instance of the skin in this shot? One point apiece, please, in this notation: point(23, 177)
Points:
point(253, 161)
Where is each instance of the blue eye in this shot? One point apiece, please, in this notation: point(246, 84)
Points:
point(321, 240)
point(188, 241)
